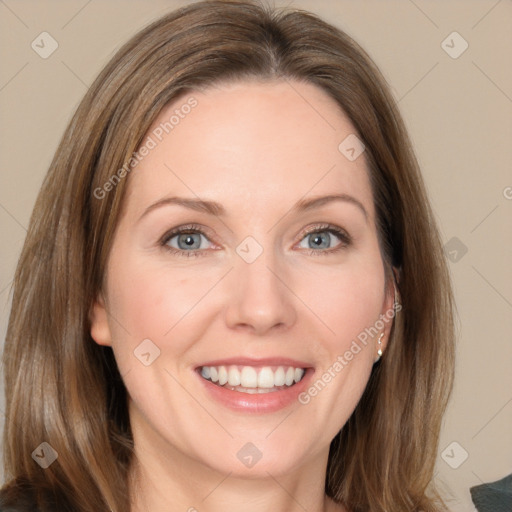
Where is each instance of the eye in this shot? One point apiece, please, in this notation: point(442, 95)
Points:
point(185, 241)
point(321, 239)
point(191, 240)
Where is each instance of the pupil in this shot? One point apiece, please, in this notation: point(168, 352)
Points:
point(320, 241)
point(188, 241)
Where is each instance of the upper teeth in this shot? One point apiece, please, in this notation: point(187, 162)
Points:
point(251, 377)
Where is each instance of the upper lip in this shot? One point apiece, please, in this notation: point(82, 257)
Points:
point(265, 361)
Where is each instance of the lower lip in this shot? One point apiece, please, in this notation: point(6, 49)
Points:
point(258, 403)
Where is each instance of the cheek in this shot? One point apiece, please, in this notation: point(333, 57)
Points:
point(154, 301)
point(350, 307)
point(349, 301)
point(150, 300)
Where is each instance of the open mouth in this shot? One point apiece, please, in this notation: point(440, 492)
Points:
point(251, 379)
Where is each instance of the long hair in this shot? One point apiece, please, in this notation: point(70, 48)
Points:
point(64, 389)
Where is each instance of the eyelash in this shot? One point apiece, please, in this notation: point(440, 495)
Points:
point(343, 236)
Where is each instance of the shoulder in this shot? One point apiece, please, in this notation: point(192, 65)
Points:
point(17, 497)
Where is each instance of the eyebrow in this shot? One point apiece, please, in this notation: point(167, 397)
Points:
point(316, 202)
point(214, 208)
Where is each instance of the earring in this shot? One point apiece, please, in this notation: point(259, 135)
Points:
point(379, 341)
point(380, 344)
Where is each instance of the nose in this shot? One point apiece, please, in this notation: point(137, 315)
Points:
point(258, 300)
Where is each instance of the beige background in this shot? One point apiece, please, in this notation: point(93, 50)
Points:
point(459, 114)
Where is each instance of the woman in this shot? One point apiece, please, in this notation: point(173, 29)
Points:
point(232, 290)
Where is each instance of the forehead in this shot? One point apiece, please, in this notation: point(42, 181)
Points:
point(250, 144)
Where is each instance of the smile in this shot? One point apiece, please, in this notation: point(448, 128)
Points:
point(252, 380)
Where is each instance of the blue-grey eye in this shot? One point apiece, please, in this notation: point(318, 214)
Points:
point(187, 241)
point(319, 240)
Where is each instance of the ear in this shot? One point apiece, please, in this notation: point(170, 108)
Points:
point(388, 311)
point(100, 330)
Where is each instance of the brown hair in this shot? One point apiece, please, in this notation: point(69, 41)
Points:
point(65, 389)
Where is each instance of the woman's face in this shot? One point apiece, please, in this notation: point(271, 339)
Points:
point(277, 267)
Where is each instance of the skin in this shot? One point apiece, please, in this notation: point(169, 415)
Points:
point(256, 148)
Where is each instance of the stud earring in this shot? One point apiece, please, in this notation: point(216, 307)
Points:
point(380, 344)
point(379, 341)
